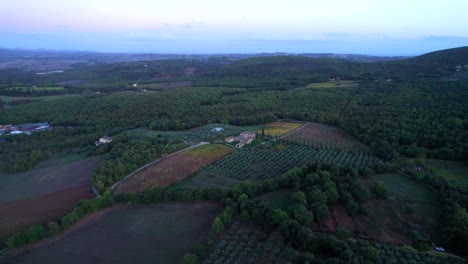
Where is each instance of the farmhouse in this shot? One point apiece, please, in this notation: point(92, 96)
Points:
point(103, 140)
point(244, 138)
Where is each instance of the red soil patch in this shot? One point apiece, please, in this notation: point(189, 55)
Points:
point(315, 133)
point(384, 226)
point(174, 168)
point(343, 218)
point(19, 215)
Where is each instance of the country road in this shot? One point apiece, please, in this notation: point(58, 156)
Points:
point(156, 161)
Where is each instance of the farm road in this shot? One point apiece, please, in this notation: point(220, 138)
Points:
point(156, 161)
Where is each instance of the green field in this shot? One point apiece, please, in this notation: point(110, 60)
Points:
point(455, 172)
point(403, 188)
point(204, 133)
point(334, 84)
point(39, 88)
point(39, 98)
point(277, 199)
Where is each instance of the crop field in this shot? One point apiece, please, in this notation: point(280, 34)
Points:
point(455, 172)
point(204, 133)
point(324, 136)
point(278, 128)
point(334, 84)
point(43, 180)
point(265, 162)
point(44, 193)
point(20, 214)
point(246, 243)
point(153, 234)
point(174, 168)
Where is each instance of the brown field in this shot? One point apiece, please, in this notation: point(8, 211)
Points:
point(384, 226)
point(278, 128)
point(19, 215)
point(316, 133)
point(343, 218)
point(152, 234)
point(43, 194)
point(174, 168)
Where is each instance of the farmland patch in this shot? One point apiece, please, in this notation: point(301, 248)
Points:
point(455, 172)
point(40, 180)
point(264, 162)
point(278, 128)
point(153, 234)
point(321, 136)
point(174, 168)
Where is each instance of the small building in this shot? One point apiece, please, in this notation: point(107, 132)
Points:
point(458, 68)
point(229, 139)
point(217, 129)
point(105, 140)
point(16, 132)
point(135, 85)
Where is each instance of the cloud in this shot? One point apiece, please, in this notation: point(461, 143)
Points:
point(193, 24)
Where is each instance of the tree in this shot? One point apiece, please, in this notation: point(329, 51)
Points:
point(279, 216)
point(320, 211)
point(342, 232)
point(302, 215)
point(380, 190)
point(53, 228)
point(218, 226)
point(190, 259)
point(298, 198)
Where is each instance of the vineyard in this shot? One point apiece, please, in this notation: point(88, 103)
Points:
point(324, 136)
point(245, 243)
point(174, 168)
point(265, 162)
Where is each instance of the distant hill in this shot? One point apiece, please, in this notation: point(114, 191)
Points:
point(434, 64)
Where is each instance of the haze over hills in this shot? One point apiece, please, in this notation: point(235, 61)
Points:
point(49, 60)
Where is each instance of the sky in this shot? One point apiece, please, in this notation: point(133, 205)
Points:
point(373, 27)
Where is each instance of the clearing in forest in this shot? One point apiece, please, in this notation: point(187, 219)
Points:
point(410, 211)
point(174, 168)
point(151, 234)
point(455, 172)
point(334, 84)
point(324, 136)
point(278, 128)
